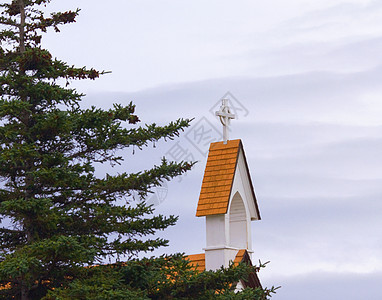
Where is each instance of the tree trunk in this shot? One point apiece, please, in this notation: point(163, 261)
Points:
point(24, 292)
point(24, 288)
point(22, 26)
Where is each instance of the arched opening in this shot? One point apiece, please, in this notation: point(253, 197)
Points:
point(238, 231)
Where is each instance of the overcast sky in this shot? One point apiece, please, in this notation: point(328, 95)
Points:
point(305, 79)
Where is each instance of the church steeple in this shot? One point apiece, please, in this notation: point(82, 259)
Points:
point(228, 202)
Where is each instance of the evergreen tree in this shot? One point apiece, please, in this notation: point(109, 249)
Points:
point(57, 216)
point(166, 277)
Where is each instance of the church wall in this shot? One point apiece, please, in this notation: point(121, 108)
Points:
point(216, 231)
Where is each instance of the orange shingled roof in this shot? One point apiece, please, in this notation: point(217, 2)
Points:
point(218, 178)
point(199, 260)
point(239, 256)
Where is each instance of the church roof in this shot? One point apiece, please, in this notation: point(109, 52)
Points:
point(199, 262)
point(218, 178)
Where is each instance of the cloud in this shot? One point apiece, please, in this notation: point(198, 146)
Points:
point(357, 159)
point(312, 97)
point(342, 55)
point(330, 286)
point(343, 37)
point(339, 20)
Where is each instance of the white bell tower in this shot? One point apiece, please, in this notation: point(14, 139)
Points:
point(227, 199)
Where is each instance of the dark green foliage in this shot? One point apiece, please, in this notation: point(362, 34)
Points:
point(57, 216)
point(166, 277)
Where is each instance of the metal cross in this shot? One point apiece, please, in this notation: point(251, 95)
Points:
point(225, 117)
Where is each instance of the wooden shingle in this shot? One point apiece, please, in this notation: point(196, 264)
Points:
point(198, 261)
point(218, 178)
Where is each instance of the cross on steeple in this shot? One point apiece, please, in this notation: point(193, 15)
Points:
point(225, 117)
